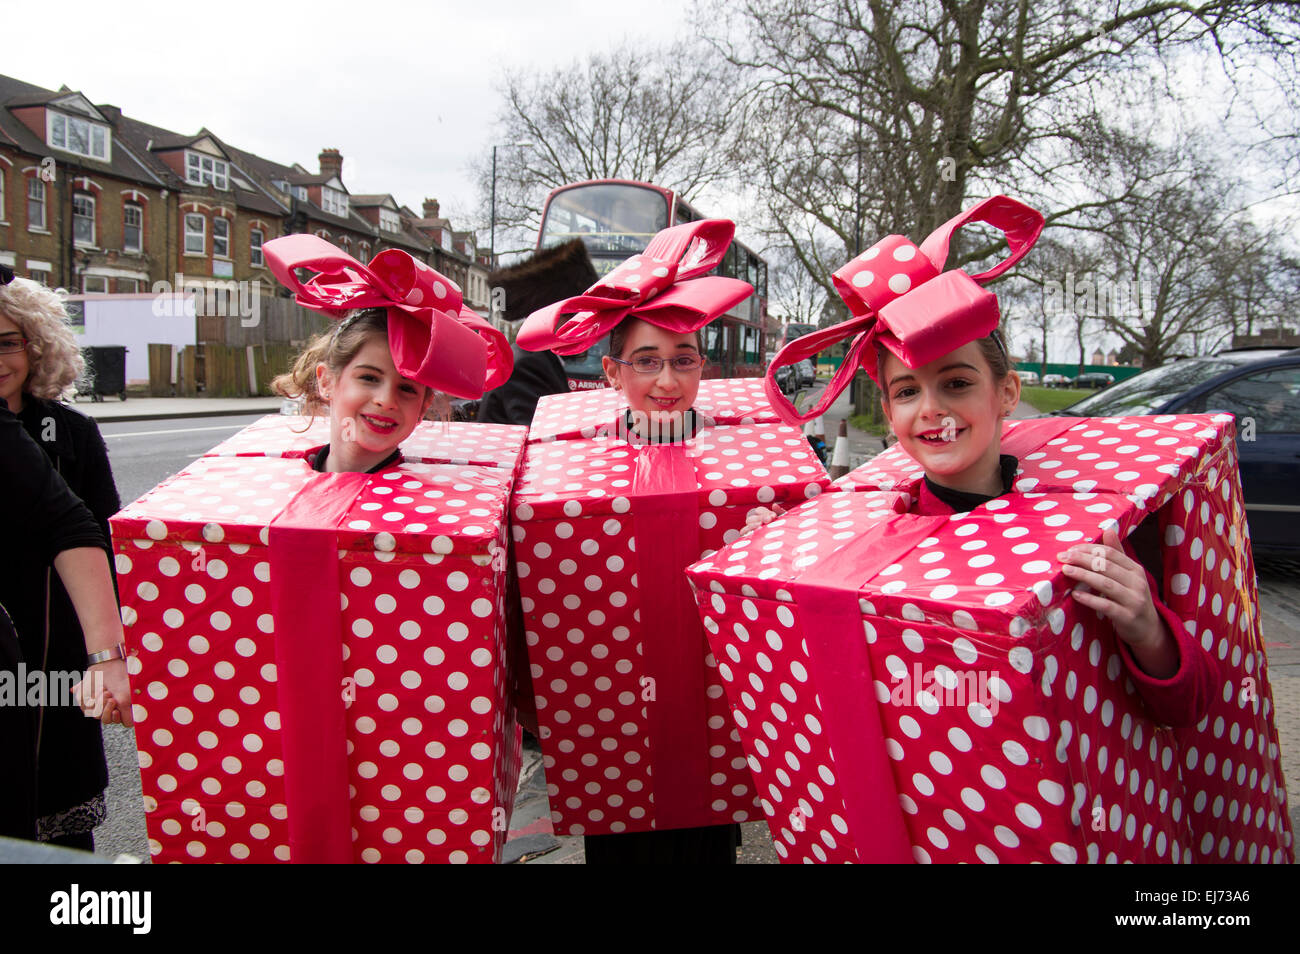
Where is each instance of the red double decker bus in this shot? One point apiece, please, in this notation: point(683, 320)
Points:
point(616, 218)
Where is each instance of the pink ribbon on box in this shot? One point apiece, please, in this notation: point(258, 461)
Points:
point(901, 298)
point(309, 666)
point(665, 285)
point(827, 597)
point(435, 337)
point(665, 518)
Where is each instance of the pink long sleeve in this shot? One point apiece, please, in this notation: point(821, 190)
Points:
point(1183, 698)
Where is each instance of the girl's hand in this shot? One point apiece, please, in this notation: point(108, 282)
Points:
point(1115, 585)
point(760, 516)
point(105, 693)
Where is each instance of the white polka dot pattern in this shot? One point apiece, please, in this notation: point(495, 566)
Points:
point(433, 746)
point(576, 558)
point(432, 442)
point(569, 416)
point(1012, 730)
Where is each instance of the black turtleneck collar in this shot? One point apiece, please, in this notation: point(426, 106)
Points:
point(963, 502)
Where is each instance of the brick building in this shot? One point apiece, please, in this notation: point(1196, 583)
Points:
point(92, 200)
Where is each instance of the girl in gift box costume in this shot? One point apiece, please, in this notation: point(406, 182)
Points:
point(653, 316)
point(930, 340)
point(405, 339)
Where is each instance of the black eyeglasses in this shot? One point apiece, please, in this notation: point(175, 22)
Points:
point(653, 364)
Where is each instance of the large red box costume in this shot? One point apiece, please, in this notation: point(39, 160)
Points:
point(1001, 723)
point(633, 718)
point(321, 661)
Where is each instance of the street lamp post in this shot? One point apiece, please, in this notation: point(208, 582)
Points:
point(492, 225)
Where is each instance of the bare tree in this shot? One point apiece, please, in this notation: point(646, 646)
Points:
point(666, 116)
point(872, 117)
point(792, 292)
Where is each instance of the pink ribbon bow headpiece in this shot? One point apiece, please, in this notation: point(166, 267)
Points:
point(901, 298)
point(665, 285)
point(435, 338)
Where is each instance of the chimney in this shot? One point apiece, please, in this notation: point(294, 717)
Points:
point(331, 163)
point(431, 208)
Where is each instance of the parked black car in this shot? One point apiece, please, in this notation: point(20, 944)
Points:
point(1093, 379)
point(1262, 389)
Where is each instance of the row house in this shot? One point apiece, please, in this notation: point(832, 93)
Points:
point(95, 201)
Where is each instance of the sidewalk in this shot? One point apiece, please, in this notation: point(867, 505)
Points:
point(161, 409)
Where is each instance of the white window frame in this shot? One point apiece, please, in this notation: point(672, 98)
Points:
point(390, 221)
point(77, 216)
point(218, 176)
point(202, 233)
point(363, 252)
point(222, 236)
point(40, 276)
point(59, 126)
point(127, 208)
point(87, 279)
point(42, 199)
point(255, 256)
point(334, 201)
point(300, 193)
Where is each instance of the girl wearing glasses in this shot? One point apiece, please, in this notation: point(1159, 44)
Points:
point(39, 360)
point(658, 371)
point(653, 307)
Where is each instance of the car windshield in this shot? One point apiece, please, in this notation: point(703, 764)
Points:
point(1149, 391)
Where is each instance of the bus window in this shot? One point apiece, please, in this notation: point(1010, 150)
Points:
point(609, 218)
point(713, 344)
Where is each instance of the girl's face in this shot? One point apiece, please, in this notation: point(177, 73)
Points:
point(948, 416)
point(663, 396)
point(372, 407)
point(14, 367)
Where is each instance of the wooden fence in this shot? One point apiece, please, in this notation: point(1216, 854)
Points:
point(216, 370)
point(257, 320)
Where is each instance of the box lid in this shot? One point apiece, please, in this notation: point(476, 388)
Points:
point(432, 442)
point(745, 464)
point(583, 413)
point(993, 569)
point(1135, 456)
point(432, 509)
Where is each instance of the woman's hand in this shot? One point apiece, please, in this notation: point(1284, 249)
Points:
point(105, 693)
point(1115, 585)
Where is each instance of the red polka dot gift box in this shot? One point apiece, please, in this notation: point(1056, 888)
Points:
point(319, 669)
point(432, 442)
point(632, 715)
point(924, 687)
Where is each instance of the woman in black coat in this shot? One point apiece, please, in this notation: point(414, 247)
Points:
point(38, 360)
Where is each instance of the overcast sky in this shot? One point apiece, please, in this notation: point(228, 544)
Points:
point(407, 97)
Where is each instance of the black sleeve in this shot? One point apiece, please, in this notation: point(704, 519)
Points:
point(99, 490)
point(536, 373)
point(44, 516)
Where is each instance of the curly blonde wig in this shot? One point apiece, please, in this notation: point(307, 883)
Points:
point(53, 354)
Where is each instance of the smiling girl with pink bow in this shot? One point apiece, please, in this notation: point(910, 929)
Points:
point(405, 339)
